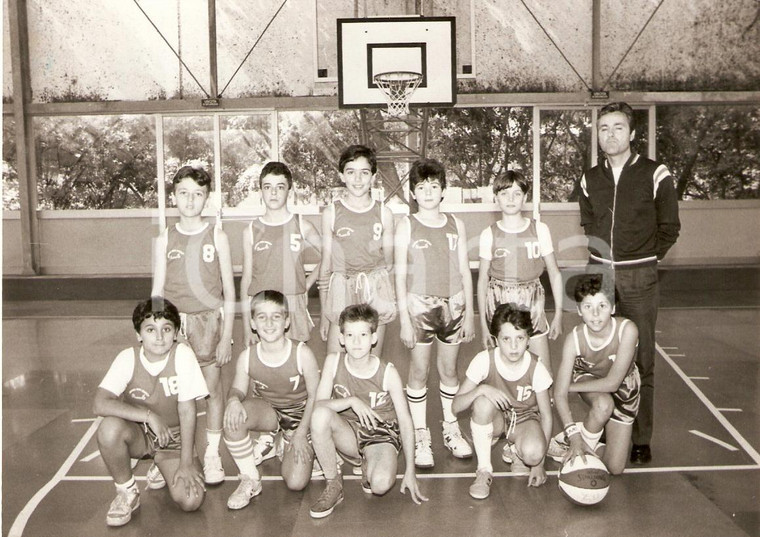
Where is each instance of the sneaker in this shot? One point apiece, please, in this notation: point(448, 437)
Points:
point(213, 472)
point(122, 507)
point(481, 488)
point(154, 479)
point(247, 489)
point(318, 471)
point(423, 452)
point(330, 497)
point(264, 448)
point(510, 456)
point(557, 448)
point(366, 487)
point(453, 439)
point(506, 453)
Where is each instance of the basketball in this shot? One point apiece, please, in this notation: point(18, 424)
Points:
point(584, 483)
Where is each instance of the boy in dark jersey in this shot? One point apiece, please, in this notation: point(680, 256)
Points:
point(283, 374)
point(598, 363)
point(434, 291)
point(507, 389)
point(362, 413)
point(193, 269)
point(514, 252)
point(273, 253)
point(357, 248)
point(147, 401)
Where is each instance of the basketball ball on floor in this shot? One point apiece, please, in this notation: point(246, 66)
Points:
point(584, 483)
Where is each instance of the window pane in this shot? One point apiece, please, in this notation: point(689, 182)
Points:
point(712, 151)
point(477, 144)
point(10, 175)
point(246, 147)
point(95, 162)
point(565, 151)
point(311, 144)
point(189, 140)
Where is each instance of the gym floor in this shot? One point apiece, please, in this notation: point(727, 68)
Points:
point(704, 479)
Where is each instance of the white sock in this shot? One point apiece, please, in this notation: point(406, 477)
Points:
point(213, 438)
point(481, 441)
point(242, 454)
point(592, 439)
point(126, 486)
point(418, 406)
point(447, 398)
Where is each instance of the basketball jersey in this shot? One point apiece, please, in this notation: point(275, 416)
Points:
point(282, 384)
point(432, 258)
point(598, 362)
point(193, 277)
point(520, 391)
point(277, 257)
point(516, 256)
point(157, 393)
point(357, 239)
point(371, 390)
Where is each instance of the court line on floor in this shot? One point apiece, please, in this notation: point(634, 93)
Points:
point(751, 451)
point(709, 438)
point(17, 529)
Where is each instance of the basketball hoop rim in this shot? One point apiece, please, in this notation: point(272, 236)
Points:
point(397, 76)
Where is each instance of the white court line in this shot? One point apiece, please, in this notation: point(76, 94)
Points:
point(92, 456)
point(730, 410)
point(23, 517)
point(752, 452)
point(83, 420)
point(721, 443)
point(669, 348)
point(677, 355)
point(699, 378)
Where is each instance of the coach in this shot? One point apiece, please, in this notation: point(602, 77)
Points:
point(629, 212)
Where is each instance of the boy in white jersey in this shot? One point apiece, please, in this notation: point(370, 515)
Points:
point(434, 291)
point(361, 412)
point(507, 389)
point(193, 269)
point(273, 254)
point(283, 374)
point(513, 254)
point(147, 401)
point(598, 363)
point(357, 248)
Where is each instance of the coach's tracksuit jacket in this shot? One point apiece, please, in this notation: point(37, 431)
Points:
point(635, 222)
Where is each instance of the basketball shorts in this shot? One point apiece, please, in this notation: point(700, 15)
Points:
point(203, 332)
point(512, 418)
point(626, 398)
point(374, 288)
point(386, 432)
point(437, 317)
point(289, 417)
point(172, 449)
point(529, 295)
point(300, 319)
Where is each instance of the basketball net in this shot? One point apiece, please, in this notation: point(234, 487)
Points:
point(398, 87)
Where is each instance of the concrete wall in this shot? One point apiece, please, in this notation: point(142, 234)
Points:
point(713, 233)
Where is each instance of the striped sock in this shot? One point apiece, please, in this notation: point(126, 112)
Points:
point(126, 486)
point(592, 439)
point(418, 406)
point(242, 454)
point(447, 398)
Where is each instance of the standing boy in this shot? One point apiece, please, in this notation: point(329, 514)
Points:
point(193, 269)
point(629, 212)
point(362, 413)
point(597, 363)
point(434, 290)
point(147, 400)
point(284, 377)
point(508, 391)
point(357, 253)
point(273, 254)
point(514, 252)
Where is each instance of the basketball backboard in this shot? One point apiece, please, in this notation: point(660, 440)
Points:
point(370, 46)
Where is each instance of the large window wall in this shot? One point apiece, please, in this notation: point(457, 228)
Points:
point(111, 162)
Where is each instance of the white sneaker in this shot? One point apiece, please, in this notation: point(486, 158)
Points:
point(518, 467)
point(264, 448)
point(154, 479)
point(558, 448)
point(423, 452)
point(213, 472)
point(122, 507)
point(481, 488)
point(506, 452)
point(453, 439)
point(247, 489)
